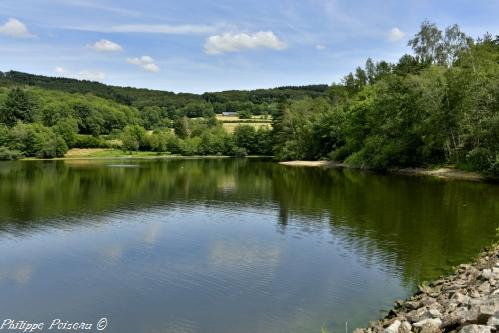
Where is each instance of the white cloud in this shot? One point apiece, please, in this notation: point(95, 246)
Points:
point(15, 28)
point(60, 70)
point(396, 35)
point(181, 29)
point(230, 42)
point(105, 45)
point(145, 62)
point(91, 75)
point(320, 47)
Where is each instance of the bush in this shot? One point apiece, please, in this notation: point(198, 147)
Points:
point(8, 155)
point(240, 152)
point(190, 146)
point(52, 146)
point(479, 159)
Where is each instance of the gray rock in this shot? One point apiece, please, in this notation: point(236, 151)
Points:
point(412, 305)
point(393, 328)
point(471, 315)
point(487, 274)
point(405, 327)
point(458, 298)
point(430, 321)
point(434, 313)
point(484, 287)
point(428, 326)
point(455, 318)
point(475, 329)
point(493, 322)
point(485, 312)
point(418, 315)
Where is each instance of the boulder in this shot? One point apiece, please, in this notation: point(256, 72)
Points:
point(484, 288)
point(475, 329)
point(434, 313)
point(418, 315)
point(485, 312)
point(428, 326)
point(493, 322)
point(393, 328)
point(405, 327)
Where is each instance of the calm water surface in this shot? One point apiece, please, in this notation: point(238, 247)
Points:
point(224, 246)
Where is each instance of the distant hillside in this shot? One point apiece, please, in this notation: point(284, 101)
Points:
point(140, 97)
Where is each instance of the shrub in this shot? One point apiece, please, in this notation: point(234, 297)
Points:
point(8, 155)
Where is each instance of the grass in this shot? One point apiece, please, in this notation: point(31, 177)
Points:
point(233, 119)
point(229, 127)
point(109, 153)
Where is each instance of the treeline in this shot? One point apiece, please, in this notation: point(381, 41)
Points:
point(437, 106)
point(256, 102)
point(43, 123)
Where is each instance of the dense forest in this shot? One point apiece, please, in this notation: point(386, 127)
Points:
point(439, 105)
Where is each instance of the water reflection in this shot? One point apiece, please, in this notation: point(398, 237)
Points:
point(226, 245)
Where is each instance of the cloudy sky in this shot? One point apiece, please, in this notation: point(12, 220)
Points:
point(212, 45)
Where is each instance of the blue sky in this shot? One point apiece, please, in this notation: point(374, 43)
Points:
point(210, 45)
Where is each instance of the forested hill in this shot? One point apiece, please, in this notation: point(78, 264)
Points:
point(436, 106)
point(140, 97)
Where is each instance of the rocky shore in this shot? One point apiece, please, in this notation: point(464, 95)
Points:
point(466, 301)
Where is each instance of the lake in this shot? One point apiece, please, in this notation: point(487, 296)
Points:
point(226, 245)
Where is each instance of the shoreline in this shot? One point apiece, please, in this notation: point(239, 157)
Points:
point(443, 173)
point(466, 301)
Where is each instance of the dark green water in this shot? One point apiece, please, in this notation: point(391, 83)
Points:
point(219, 246)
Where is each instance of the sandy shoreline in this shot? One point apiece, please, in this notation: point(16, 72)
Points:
point(446, 173)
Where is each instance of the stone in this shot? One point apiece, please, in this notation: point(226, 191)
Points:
point(434, 313)
point(475, 329)
point(428, 300)
point(471, 315)
point(493, 322)
point(435, 322)
point(418, 315)
point(455, 318)
point(458, 298)
point(405, 327)
point(412, 305)
point(486, 274)
point(428, 326)
point(484, 287)
point(485, 312)
point(393, 328)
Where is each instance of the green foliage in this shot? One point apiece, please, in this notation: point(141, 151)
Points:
point(8, 155)
point(134, 138)
point(36, 140)
point(245, 114)
point(181, 127)
point(68, 130)
point(439, 106)
point(18, 106)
